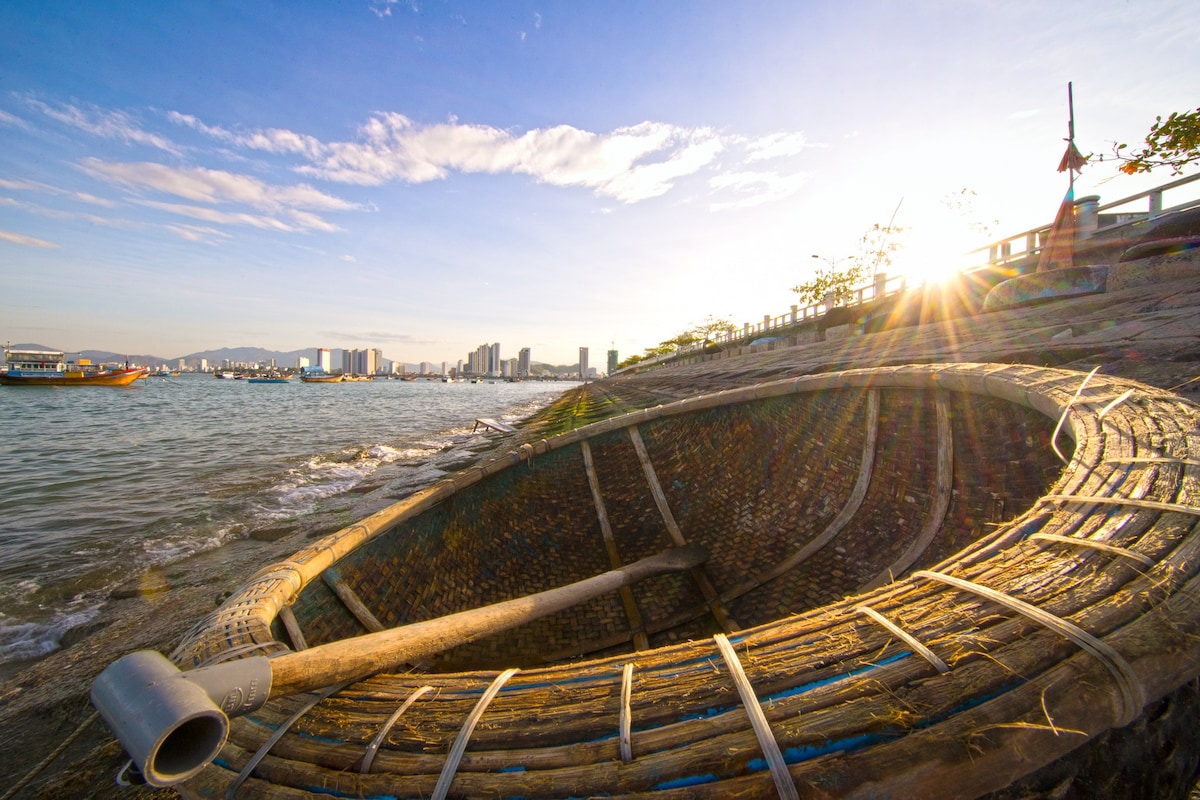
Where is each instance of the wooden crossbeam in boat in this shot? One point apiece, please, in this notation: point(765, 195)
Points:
point(853, 503)
point(699, 575)
point(292, 626)
point(632, 612)
point(353, 604)
point(943, 484)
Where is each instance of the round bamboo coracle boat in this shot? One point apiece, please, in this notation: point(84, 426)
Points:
point(922, 581)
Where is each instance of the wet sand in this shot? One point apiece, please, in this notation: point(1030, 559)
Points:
point(1146, 333)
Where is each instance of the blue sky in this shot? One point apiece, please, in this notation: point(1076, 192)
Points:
point(428, 176)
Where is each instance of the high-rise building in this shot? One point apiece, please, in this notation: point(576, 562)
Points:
point(477, 362)
point(523, 363)
point(494, 366)
point(362, 362)
point(612, 361)
point(583, 363)
point(323, 359)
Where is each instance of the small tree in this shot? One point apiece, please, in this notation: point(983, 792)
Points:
point(962, 202)
point(1173, 142)
point(875, 251)
point(711, 325)
point(629, 362)
point(830, 280)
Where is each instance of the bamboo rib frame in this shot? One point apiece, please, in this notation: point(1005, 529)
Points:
point(1051, 647)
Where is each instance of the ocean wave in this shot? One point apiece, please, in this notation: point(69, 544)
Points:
point(170, 547)
point(325, 476)
point(24, 641)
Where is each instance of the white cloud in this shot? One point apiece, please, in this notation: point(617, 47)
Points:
point(223, 217)
point(272, 140)
point(35, 186)
point(375, 336)
point(382, 8)
point(27, 241)
point(287, 207)
point(14, 121)
point(775, 146)
point(349, 258)
point(54, 213)
point(629, 164)
point(196, 233)
point(106, 124)
point(755, 188)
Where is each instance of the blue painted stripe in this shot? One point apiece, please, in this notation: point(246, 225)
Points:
point(679, 783)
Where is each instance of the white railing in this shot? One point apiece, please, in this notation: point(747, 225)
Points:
point(1089, 222)
point(878, 289)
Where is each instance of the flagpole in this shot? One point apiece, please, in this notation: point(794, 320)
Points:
point(1070, 133)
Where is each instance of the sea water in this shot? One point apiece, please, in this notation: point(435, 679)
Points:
point(98, 485)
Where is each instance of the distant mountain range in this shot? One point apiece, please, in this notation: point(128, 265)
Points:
point(248, 355)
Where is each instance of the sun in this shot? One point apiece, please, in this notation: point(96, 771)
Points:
point(935, 246)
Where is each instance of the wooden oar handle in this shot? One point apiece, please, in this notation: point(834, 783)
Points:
point(365, 655)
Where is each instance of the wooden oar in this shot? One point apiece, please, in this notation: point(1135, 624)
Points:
point(373, 652)
point(170, 723)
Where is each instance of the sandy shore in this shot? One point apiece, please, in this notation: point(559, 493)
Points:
point(1149, 333)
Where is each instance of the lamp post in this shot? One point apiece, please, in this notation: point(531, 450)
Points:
point(832, 262)
point(835, 281)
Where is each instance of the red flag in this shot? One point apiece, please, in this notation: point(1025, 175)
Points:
point(1059, 248)
point(1072, 159)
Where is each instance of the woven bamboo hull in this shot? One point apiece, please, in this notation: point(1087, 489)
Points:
point(924, 600)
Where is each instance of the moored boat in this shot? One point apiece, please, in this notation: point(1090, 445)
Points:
point(50, 368)
point(923, 581)
point(319, 375)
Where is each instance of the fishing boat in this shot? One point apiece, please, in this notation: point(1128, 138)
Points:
point(50, 368)
point(319, 375)
point(934, 581)
point(269, 379)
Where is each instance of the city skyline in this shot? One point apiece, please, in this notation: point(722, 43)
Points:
point(424, 175)
point(348, 360)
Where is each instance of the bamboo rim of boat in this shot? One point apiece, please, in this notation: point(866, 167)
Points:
point(1118, 622)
